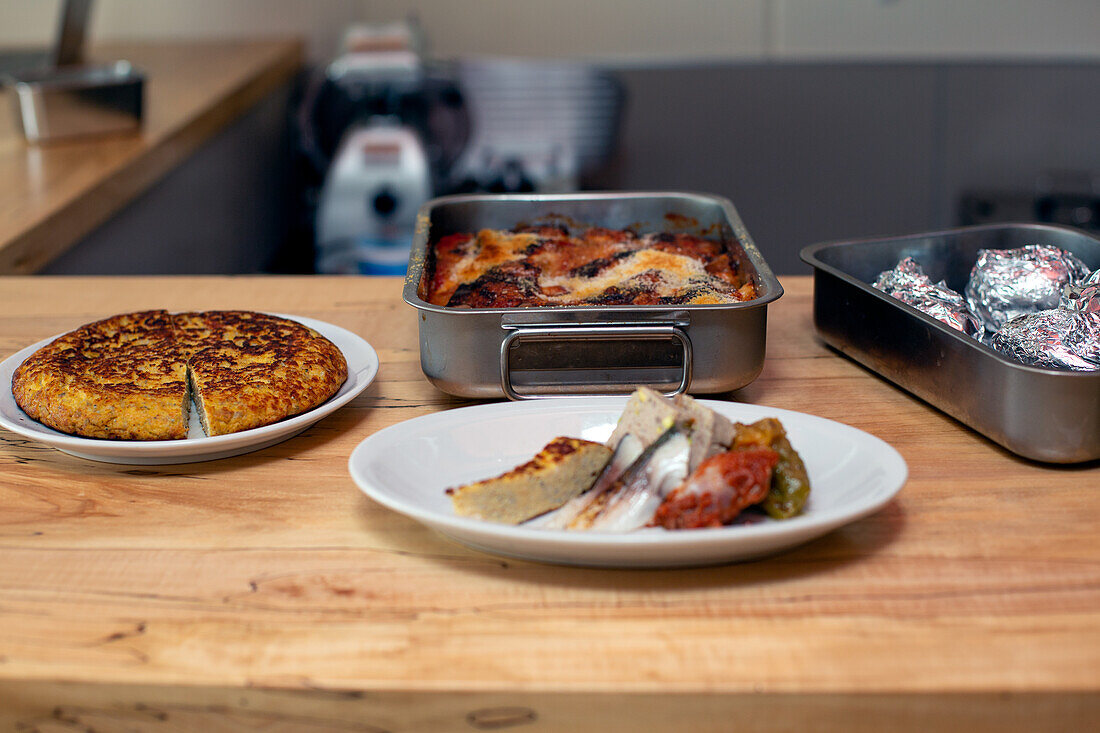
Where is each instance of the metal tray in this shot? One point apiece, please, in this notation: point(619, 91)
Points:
point(66, 102)
point(521, 353)
point(1042, 414)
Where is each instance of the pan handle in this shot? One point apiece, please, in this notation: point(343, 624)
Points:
point(618, 332)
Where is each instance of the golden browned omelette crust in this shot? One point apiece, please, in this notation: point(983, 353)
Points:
point(560, 471)
point(130, 377)
point(122, 377)
point(251, 369)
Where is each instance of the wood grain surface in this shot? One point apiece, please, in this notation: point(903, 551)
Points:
point(265, 591)
point(53, 194)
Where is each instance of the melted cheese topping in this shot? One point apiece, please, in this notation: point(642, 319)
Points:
point(493, 248)
point(672, 274)
point(614, 267)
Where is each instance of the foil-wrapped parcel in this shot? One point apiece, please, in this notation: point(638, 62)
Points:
point(1086, 297)
point(1038, 304)
point(1006, 283)
point(1066, 337)
point(908, 283)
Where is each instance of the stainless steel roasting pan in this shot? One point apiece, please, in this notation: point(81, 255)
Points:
point(521, 353)
point(1042, 414)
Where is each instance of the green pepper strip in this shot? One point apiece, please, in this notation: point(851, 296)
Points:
point(790, 483)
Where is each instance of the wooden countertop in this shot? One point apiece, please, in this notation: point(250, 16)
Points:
point(54, 194)
point(266, 590)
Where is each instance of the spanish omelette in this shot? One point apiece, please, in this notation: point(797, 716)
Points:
point(133, 376)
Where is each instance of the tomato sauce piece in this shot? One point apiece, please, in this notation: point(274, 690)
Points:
point(719, 490)
point(449, 251)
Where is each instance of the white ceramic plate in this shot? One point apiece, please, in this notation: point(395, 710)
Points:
point(407, 467)
point(362, 368)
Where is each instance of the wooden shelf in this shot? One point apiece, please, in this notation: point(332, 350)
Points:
point(54, 194)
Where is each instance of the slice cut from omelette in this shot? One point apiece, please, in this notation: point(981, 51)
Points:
point(560, 471)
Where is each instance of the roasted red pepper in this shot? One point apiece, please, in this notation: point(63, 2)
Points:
point(719, 490)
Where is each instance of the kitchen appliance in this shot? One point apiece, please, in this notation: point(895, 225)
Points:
point(381, 126)
point(376, 184)
point(536, 125)
point(539, 352)
point(386, 129)
point(1070, 198)
point(1042, 414)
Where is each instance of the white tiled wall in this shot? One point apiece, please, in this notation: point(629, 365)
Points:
point(632, 31)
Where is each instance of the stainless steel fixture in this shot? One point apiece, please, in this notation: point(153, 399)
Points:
point(72, 101)
point(540, 352)
point(1042, 414)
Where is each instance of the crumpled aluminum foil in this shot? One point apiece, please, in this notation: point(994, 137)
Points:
point(908, 283)
point(1007, 283)
point(1086, 296)
point(1066, 337)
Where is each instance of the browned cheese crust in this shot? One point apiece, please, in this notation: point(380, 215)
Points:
point(130, 377)
point(120, 378)
point(545, 266)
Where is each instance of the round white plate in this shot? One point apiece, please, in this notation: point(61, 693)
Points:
point(362, 368)
point(407, 467)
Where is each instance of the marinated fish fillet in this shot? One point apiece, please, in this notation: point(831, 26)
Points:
point(648, 414)
point(678, 464)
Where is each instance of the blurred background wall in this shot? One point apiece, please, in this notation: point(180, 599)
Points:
point(639, 31)
point(820, 119)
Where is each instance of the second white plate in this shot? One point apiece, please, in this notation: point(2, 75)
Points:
point(407, 467)
point(362, 368)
